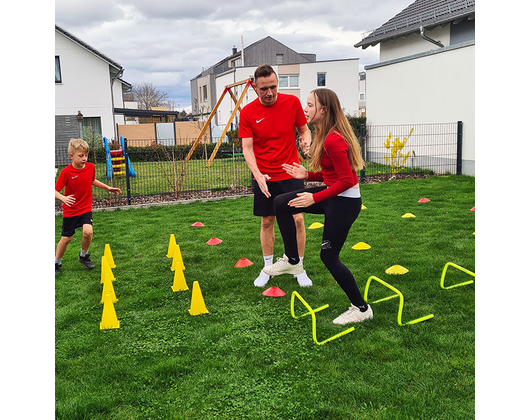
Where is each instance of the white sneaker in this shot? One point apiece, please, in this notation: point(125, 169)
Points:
point(303, 280)
point(262, 279)
point(353, 314)
point(282, 266)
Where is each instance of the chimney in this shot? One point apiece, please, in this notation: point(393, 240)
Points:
point(234, 50)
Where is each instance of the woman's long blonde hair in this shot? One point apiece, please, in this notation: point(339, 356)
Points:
point(333, 120)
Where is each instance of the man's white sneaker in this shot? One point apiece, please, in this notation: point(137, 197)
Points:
point(303, 280)
point(353, 314)
point(262, 279)
point(282, 266)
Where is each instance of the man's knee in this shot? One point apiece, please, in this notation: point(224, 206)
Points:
point(299, 220)
point(267, 222)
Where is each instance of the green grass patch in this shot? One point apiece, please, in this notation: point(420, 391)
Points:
point(248, 358)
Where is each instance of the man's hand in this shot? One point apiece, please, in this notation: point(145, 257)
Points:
point(262, 183)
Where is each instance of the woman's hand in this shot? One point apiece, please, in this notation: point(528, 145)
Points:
point(295, 170)
point(304, 199)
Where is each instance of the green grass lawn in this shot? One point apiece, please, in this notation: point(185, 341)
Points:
point(248, 358)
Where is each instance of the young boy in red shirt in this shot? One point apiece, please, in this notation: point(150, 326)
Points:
point(77, 180)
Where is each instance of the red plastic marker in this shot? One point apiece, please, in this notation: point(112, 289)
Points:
point(273, 292)
point(214, 241)
point(243, 262)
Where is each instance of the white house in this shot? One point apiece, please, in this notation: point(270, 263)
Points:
point(88, 86)
point(426, 72)
point(299, 80)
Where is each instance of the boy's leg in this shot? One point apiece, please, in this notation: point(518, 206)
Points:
point(87, 238)
point(61, 246)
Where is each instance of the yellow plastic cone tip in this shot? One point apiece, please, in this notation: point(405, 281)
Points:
point(316, 225)
point(363, 207)
point(361, 246)
point(108, 254)
point(396, 269)
point(407, 215)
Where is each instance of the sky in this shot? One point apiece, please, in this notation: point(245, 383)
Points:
point(168, 43)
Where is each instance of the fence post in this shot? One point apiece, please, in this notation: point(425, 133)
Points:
point(459, 149)
point(362, 129)
point(127, 180)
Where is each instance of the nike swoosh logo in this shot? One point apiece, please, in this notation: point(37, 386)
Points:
point(258, 121)
point(74, 177)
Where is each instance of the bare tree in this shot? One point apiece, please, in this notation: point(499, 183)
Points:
point(149, 96)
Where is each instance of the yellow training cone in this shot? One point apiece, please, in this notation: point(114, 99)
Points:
point(107, 253)
point(171, 247)
point(177, 258)
point(363, 207)
point(197, 302)
point(361, 246)
point(109, 320)
point(105, 269)
point(316, 225)
point(179, 282)
point(396, 269)
point(108, 289)
point(407, 215)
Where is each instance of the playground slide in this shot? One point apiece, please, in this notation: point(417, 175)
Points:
point(116, 160)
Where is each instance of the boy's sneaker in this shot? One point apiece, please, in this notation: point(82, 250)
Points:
point(57, 268)
point(282, 266)
point(89, 265)
point(354, 314)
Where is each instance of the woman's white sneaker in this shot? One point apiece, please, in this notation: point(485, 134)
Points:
point(282, 266)
point(354, 314)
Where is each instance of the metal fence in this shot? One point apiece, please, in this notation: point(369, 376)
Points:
point(156, 172)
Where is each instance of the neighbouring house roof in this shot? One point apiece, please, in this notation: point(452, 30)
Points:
point(427, 13)
point(90, 49)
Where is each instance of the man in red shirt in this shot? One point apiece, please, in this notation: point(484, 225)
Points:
point(77, 180)
point(266, 129)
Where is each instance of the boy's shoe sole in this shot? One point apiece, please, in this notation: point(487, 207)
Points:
point(57, 268)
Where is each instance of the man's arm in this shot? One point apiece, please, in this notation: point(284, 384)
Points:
point(248, 153)
point(305, 138)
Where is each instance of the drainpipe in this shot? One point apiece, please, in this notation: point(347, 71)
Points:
point(425, 37)
point(112, 80)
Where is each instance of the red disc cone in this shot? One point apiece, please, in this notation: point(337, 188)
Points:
point(423, 200)
point(197, 224)
point(243, 262)
point(214, 241)
point(473, 209)
point(273, 292)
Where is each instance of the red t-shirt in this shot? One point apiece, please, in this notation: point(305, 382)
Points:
point(272, 129)
point(77, 182)
point(336, 171)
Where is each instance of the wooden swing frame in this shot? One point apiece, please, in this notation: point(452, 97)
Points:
point(228, 88)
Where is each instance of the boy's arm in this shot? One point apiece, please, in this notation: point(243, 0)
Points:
point(103, 186)
point(68, 200)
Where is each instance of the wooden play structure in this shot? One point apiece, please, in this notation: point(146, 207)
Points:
point(228, 88)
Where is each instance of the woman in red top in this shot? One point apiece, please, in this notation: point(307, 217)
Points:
point(337, 152)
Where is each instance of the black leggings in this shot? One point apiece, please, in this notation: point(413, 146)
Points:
point(339, 215)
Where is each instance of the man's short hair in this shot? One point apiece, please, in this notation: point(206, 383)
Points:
point(264, 71)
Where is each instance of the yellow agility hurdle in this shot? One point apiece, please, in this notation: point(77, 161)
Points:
point(401, 301)
point(312, 312)
point(450, 264)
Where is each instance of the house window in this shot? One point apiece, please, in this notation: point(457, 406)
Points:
point(279, 58)
point(205, 93)
point(362, 97)
point(321, 79)
point(58, 78)
point(288, 81)
point(236, 62)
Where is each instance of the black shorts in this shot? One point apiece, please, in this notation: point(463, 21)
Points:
point(70, 224)
point(264, 206)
